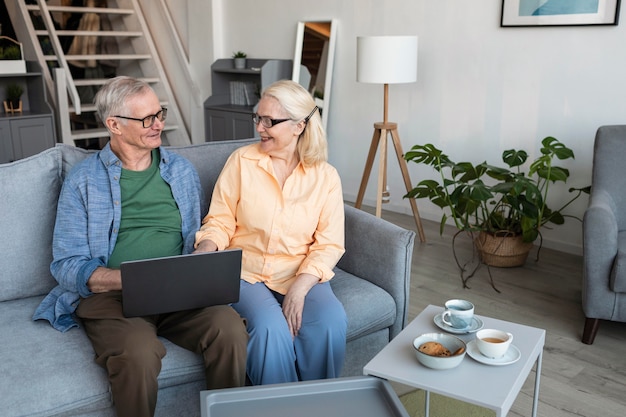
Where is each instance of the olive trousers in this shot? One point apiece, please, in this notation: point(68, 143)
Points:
point(129, 350)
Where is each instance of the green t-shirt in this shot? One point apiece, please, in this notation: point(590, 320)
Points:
point(151, 223)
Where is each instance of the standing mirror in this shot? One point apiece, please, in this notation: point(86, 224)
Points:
point(313, 61)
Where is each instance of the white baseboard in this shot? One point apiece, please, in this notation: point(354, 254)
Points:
point(427, 213)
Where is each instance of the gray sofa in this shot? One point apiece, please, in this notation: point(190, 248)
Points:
point(604, 234)
point(44, 372)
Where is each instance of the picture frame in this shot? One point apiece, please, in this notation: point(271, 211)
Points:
point(518, 13)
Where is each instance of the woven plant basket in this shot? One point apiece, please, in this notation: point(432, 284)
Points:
point(502, 251)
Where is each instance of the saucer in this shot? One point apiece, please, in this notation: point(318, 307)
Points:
point(511, 356)
point(476, 325)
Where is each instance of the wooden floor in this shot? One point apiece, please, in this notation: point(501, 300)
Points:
point(577, 379)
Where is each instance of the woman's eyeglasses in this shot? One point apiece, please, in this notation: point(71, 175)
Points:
point(268, 122)
point(148, 121)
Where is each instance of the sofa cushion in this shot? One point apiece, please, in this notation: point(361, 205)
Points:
point(369, 307)
point(59, 369)
point(209, 159)
point(38, 362)
point(71, 155)
point(30, 190)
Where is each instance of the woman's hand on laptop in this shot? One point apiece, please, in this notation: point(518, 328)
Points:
point(206, 245)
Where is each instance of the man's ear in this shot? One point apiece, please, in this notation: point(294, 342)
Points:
point(113, 124)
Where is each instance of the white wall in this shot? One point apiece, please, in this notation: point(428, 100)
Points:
point(481, 88)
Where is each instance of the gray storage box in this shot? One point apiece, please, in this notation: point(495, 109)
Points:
point(355, 396)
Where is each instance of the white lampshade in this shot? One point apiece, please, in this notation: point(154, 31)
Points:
point(386, 59)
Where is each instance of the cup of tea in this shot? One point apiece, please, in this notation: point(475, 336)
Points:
point(458, 314)
point(493, 343)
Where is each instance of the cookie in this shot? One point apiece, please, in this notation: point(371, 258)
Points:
point(434, 349)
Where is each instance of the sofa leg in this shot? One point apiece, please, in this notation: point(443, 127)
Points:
point(591, 329)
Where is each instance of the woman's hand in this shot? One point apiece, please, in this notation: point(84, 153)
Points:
point(206, 245)
point(293, 304)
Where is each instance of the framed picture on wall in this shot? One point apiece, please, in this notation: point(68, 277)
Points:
point(559, 12)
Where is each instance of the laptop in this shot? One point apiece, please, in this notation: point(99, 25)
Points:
point(176, 283)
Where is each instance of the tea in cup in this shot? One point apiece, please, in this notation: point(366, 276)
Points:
point(493, 343)
point(458, 314)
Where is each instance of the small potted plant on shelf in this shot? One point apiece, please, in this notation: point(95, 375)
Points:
point(502, 209)
point(13, 102)
point(239, 59)
point(11, 56)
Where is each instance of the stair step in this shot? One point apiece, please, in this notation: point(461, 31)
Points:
point(89, 134)
point(102, 33)
point(72, 9)
point(100, 81)
point(97, 57)
point(89, 107)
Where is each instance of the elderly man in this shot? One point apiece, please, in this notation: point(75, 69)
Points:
point(134, 200)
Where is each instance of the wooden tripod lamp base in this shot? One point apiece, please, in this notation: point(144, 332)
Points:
point(381, 130)
point(387, 60)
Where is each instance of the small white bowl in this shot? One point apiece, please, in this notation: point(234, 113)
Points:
point(452, 343)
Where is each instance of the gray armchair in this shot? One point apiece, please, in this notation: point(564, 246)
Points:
point(604, 234)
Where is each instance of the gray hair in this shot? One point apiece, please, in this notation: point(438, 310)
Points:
point(112, 97)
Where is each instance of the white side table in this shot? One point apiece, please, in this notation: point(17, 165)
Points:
point(493, 387)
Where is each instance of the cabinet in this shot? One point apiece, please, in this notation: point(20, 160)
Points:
point(235, 93)
point(31, 131)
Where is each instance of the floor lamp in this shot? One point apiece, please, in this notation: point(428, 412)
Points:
point(387, 60)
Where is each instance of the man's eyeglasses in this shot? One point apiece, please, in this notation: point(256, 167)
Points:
point(148, 121)
point(268, 122)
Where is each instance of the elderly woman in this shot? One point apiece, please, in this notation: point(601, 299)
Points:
point(281, 202)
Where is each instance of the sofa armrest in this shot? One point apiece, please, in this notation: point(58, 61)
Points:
point(380, 252)
point(600, 247)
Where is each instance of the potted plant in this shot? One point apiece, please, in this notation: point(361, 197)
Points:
point(500, 208)
point(13, 102)
point(239, 59)
point(11, 57)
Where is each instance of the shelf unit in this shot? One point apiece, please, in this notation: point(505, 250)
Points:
point(32, 130)
point(224, 120)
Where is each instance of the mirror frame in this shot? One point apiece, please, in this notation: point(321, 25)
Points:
point(297, 63)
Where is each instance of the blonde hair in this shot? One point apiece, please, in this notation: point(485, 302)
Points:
point(299, 104)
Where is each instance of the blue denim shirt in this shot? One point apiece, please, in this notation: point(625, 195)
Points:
point(88, 220)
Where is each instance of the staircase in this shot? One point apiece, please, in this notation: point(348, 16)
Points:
point(79, 47)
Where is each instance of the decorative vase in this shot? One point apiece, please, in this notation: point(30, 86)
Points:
point(503, 251)
point(240, 63)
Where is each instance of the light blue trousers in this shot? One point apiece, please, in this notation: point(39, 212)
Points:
point(317, 352)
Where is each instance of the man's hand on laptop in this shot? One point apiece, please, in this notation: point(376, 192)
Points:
point(206, 245)
point(105, 280)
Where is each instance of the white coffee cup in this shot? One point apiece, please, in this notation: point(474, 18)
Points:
point(458, 314)
point(493, 343)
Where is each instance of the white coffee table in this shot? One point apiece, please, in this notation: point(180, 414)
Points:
point(493, 387)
